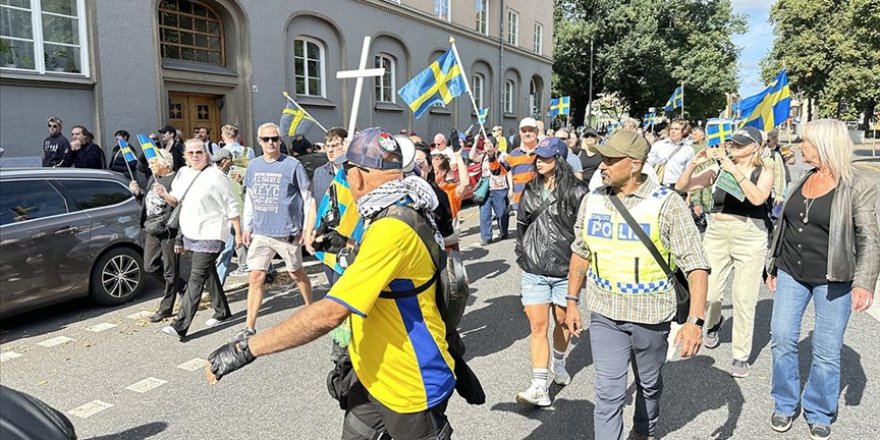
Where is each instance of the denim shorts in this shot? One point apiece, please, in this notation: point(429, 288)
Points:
point(542, 289)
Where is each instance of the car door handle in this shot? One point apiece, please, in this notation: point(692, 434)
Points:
point(69, 230)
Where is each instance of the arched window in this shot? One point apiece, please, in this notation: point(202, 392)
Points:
point(479, 80)
point(534, 99)
point(308, 67)
point(385, 84)
point(508, 96)
point(191, 31)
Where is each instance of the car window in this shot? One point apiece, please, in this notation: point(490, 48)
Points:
point(23, 200)
point(88, 194)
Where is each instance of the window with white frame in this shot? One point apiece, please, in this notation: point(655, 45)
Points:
point(308, 67)
point(43, 36)
point(512, 27)
point(483, 17)
point(535, 99)
point(508, 96)
point(442, 9)
point(539, 38)
point(385, 83)
point(479, 81)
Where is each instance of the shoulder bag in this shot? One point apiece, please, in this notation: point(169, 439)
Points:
point(174, 218)
point(660, 168)
point(676, 277)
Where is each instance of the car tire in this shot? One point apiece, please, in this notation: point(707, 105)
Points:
point(117, 277)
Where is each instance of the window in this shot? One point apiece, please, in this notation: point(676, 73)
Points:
point(535, 99)
point(90, 194)
point(512, 27)
point(539, 38)
point(308, 67)
point(43, 36)
point(190, 31)
point(385, 83)
point(39, 201)
point(483, 17)
point(508, 96)
point(479, 80)
point(442, 9)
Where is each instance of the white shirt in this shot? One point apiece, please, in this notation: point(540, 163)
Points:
point(675, 165)
point(208, 205)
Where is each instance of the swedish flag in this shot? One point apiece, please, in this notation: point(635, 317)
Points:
point(560, 106)
point(650, 119)
point(147, 146)
point(351, 224)
point(483, 114)
point(611, 128)
point(439, 83)
point(295, 120)
point(676, 100)
point(768, 108)
point(718, 131)
point(127, 154)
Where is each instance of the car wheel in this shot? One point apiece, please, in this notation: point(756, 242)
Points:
point(117, 277)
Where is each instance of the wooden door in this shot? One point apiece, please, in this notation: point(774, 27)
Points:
point(187, 111)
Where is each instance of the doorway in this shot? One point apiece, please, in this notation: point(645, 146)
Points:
point(189, 110)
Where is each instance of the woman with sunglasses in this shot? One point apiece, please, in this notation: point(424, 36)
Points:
point(736, 236)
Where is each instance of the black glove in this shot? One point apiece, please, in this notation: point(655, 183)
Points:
point(230, 357)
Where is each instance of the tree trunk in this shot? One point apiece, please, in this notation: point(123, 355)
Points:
point(809, 110)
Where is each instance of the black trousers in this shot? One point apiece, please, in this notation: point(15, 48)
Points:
point(203, 274)
point(368, 419)
point(159, 255)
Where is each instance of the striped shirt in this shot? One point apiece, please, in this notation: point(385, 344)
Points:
point(522, 165)
point(678, 233)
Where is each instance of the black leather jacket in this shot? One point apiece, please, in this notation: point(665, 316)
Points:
point(543, 246)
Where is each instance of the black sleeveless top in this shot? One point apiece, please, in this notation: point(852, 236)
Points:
point(804, 253)
point(728, 204)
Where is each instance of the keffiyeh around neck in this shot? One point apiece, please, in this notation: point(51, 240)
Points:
point(389, 193)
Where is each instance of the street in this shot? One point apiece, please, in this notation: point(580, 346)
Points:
point(118, 377)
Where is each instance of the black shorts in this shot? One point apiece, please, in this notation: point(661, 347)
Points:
point(367, 419)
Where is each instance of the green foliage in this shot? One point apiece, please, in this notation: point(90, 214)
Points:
point(643, 49)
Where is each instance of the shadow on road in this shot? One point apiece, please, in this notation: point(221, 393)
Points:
point(566, 419)
point(136, 433)
point(505, 323)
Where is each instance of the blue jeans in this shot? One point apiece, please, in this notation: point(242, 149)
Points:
point(832, 302)
point(497, 202)
point(543, 289)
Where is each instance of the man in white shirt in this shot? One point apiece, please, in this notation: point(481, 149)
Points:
point(673, 153)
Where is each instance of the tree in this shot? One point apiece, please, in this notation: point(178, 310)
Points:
point(644, 49)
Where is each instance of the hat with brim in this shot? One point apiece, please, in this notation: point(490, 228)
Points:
point(625, 143)
point(551, 147)
point(747, 135)
point(375, 148)
point(222, 154)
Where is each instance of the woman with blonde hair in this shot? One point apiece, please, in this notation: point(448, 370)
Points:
point(825, 247)
point(736, 236)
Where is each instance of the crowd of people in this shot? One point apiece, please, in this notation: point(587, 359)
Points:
point(617, 214)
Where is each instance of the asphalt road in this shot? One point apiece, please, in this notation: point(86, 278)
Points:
point(118, 377)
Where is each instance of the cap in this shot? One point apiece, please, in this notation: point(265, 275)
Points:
point(590, 131)
point(407, 151)
point(222, 154)
point(376, 149)
point(625, 143)
point(747, 135)
point(551, 146)
point(167, 129)
point(528, 122)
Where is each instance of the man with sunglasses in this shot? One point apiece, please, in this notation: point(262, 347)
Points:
point(276, 205)
point(55, 146)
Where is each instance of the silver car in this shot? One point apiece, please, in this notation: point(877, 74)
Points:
point(66, 233)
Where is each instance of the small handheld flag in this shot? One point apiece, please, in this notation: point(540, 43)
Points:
point(127, 154)
point(439, 83)
point(560, 106)
point(484, 113)
point(676, 100)
point(148, 147)
point(650, 119)
point(718, 131)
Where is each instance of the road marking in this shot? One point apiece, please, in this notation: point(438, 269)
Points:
point(101, 327)
point(140, 315)
point(90, 409)
point(55, 341)
point(8, 355)
point(146, 385)
point(470, 331)
point(193, 365)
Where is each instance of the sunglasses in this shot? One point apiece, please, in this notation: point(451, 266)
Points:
point(267, 139)
point(54, 126)
point(347, 166)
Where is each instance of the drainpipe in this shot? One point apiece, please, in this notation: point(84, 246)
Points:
point(501, 80)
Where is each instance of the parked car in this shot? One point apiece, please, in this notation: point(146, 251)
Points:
point(66, 233)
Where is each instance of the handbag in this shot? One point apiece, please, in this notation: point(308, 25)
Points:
point(676, 277)
point(157, 225)
point(660, 168)
point(174, 218)
point(481, 192)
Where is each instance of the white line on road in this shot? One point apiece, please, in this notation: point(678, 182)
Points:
point(55, 341)
point(140, 315)
point(470, 331)
point(101, 327)
point(8, 355)
point(193, 365)
point(90, 409)
point(146, 385)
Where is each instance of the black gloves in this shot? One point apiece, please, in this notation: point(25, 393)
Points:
point(230, 357)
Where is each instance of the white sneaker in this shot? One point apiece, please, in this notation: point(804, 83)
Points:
point(169, 330)
point(536, 395)
point(213, 322)
point(560, 376)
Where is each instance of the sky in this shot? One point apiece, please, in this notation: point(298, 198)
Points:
point(755, 43)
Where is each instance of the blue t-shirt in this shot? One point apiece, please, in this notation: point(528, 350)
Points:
point(274, 189)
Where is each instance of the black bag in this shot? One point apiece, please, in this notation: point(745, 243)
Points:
point(174, 217)
point(676, 277)
point(25, 417)
point(340, 380)
point(157, 225)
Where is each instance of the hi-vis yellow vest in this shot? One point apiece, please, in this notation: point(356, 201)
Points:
point(620, 263)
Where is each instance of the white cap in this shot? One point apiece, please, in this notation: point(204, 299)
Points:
point(408, 150)
point(528, 122)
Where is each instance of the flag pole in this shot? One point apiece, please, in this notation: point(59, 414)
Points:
point(467, 85)
point(286, 95)
point(682, 100)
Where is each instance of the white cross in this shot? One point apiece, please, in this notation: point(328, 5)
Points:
point(360, 74)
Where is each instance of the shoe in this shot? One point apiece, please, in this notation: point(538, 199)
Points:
point(243, 334)
point(560, 376)
point(158, 316)
point(712, 340)
point(636, 435)
point(780, 423)
point(214, 322)
point(171, 331)
point(819, 432)
point(503, 237)
point(739, 369)
point(270, 278)
point(484, 242)
point(536, 395)
point(240, 272)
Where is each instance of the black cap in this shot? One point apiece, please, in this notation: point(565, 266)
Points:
point(747, 135)
point(167, 129)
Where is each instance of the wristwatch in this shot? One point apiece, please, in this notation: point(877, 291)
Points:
point(696, 321)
